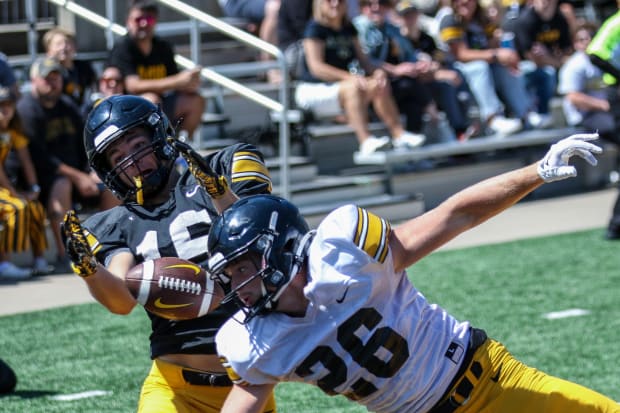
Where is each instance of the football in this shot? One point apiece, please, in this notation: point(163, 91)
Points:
point(173, 288)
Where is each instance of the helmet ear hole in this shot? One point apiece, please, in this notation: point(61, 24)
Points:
point(275, 280)
point(264, 243)
point(166, 152)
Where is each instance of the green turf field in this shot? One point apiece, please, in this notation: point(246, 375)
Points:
point(503, 288)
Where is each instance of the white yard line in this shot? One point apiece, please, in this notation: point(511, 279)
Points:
point(82, 395)
point(572, 312)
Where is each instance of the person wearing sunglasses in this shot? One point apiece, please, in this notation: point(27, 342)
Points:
point(150, 71)
point(110, 83)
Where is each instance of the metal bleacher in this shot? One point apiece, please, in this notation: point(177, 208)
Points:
point(323, 171)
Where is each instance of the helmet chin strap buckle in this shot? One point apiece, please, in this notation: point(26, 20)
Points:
point(139, 192)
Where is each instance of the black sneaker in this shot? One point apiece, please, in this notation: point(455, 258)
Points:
point(612, 234)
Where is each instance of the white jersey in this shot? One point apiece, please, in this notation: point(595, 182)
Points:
point(367, 333)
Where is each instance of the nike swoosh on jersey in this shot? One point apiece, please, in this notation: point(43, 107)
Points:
point(190, 193)
point(341, 299)
point(160, 304)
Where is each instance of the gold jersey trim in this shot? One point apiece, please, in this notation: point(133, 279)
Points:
point(372, 234)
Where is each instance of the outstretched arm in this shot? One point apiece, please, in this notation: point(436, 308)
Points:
point(472, 206)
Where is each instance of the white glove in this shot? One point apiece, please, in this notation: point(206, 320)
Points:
point(554, 166)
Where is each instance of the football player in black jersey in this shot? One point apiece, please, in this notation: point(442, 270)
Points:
point(131, 146)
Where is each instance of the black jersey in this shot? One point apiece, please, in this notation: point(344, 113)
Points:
point(159, 63)
point(530, 28)
point(339, 49)
point(79, 81)
point(179, 228)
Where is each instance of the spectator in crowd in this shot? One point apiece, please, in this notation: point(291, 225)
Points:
point(410, 77)
point(335, 309)
point(163, 214)
point(338, 77)
point(53, 125)
point(584, 93)
point(293, 17)
point(543, 39)
point(447, 77)
point(148, 64)
point(23, 216)
point(488, 70)
point(512, 9)
point(110, 83)
point(263, 13)
point(604, 52)
point(450, 89)
point(79, 76)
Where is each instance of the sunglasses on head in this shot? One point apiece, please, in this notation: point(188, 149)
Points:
point(149, 20)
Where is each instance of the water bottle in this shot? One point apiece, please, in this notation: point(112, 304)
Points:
point(507, 40)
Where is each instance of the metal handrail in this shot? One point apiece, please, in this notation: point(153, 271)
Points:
point(280, 107)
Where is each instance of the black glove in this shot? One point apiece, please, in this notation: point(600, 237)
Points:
point(215, 185)
point(83, 261)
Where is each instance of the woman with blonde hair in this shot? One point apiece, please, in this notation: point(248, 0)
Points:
point(79, 77)
point(338, 77)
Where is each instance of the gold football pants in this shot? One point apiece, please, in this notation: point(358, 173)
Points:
point(508, 386)
point(166, 391)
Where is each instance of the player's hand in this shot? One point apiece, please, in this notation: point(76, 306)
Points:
point(554, 166)
point(215, 185)
point(83, 261)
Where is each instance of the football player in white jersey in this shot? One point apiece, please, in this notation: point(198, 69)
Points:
point(335, 308)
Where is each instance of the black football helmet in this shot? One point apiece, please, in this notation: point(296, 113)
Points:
point(109, 120)
point(269, 226)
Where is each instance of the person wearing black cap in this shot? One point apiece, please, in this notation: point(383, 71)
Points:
point(53, 125)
